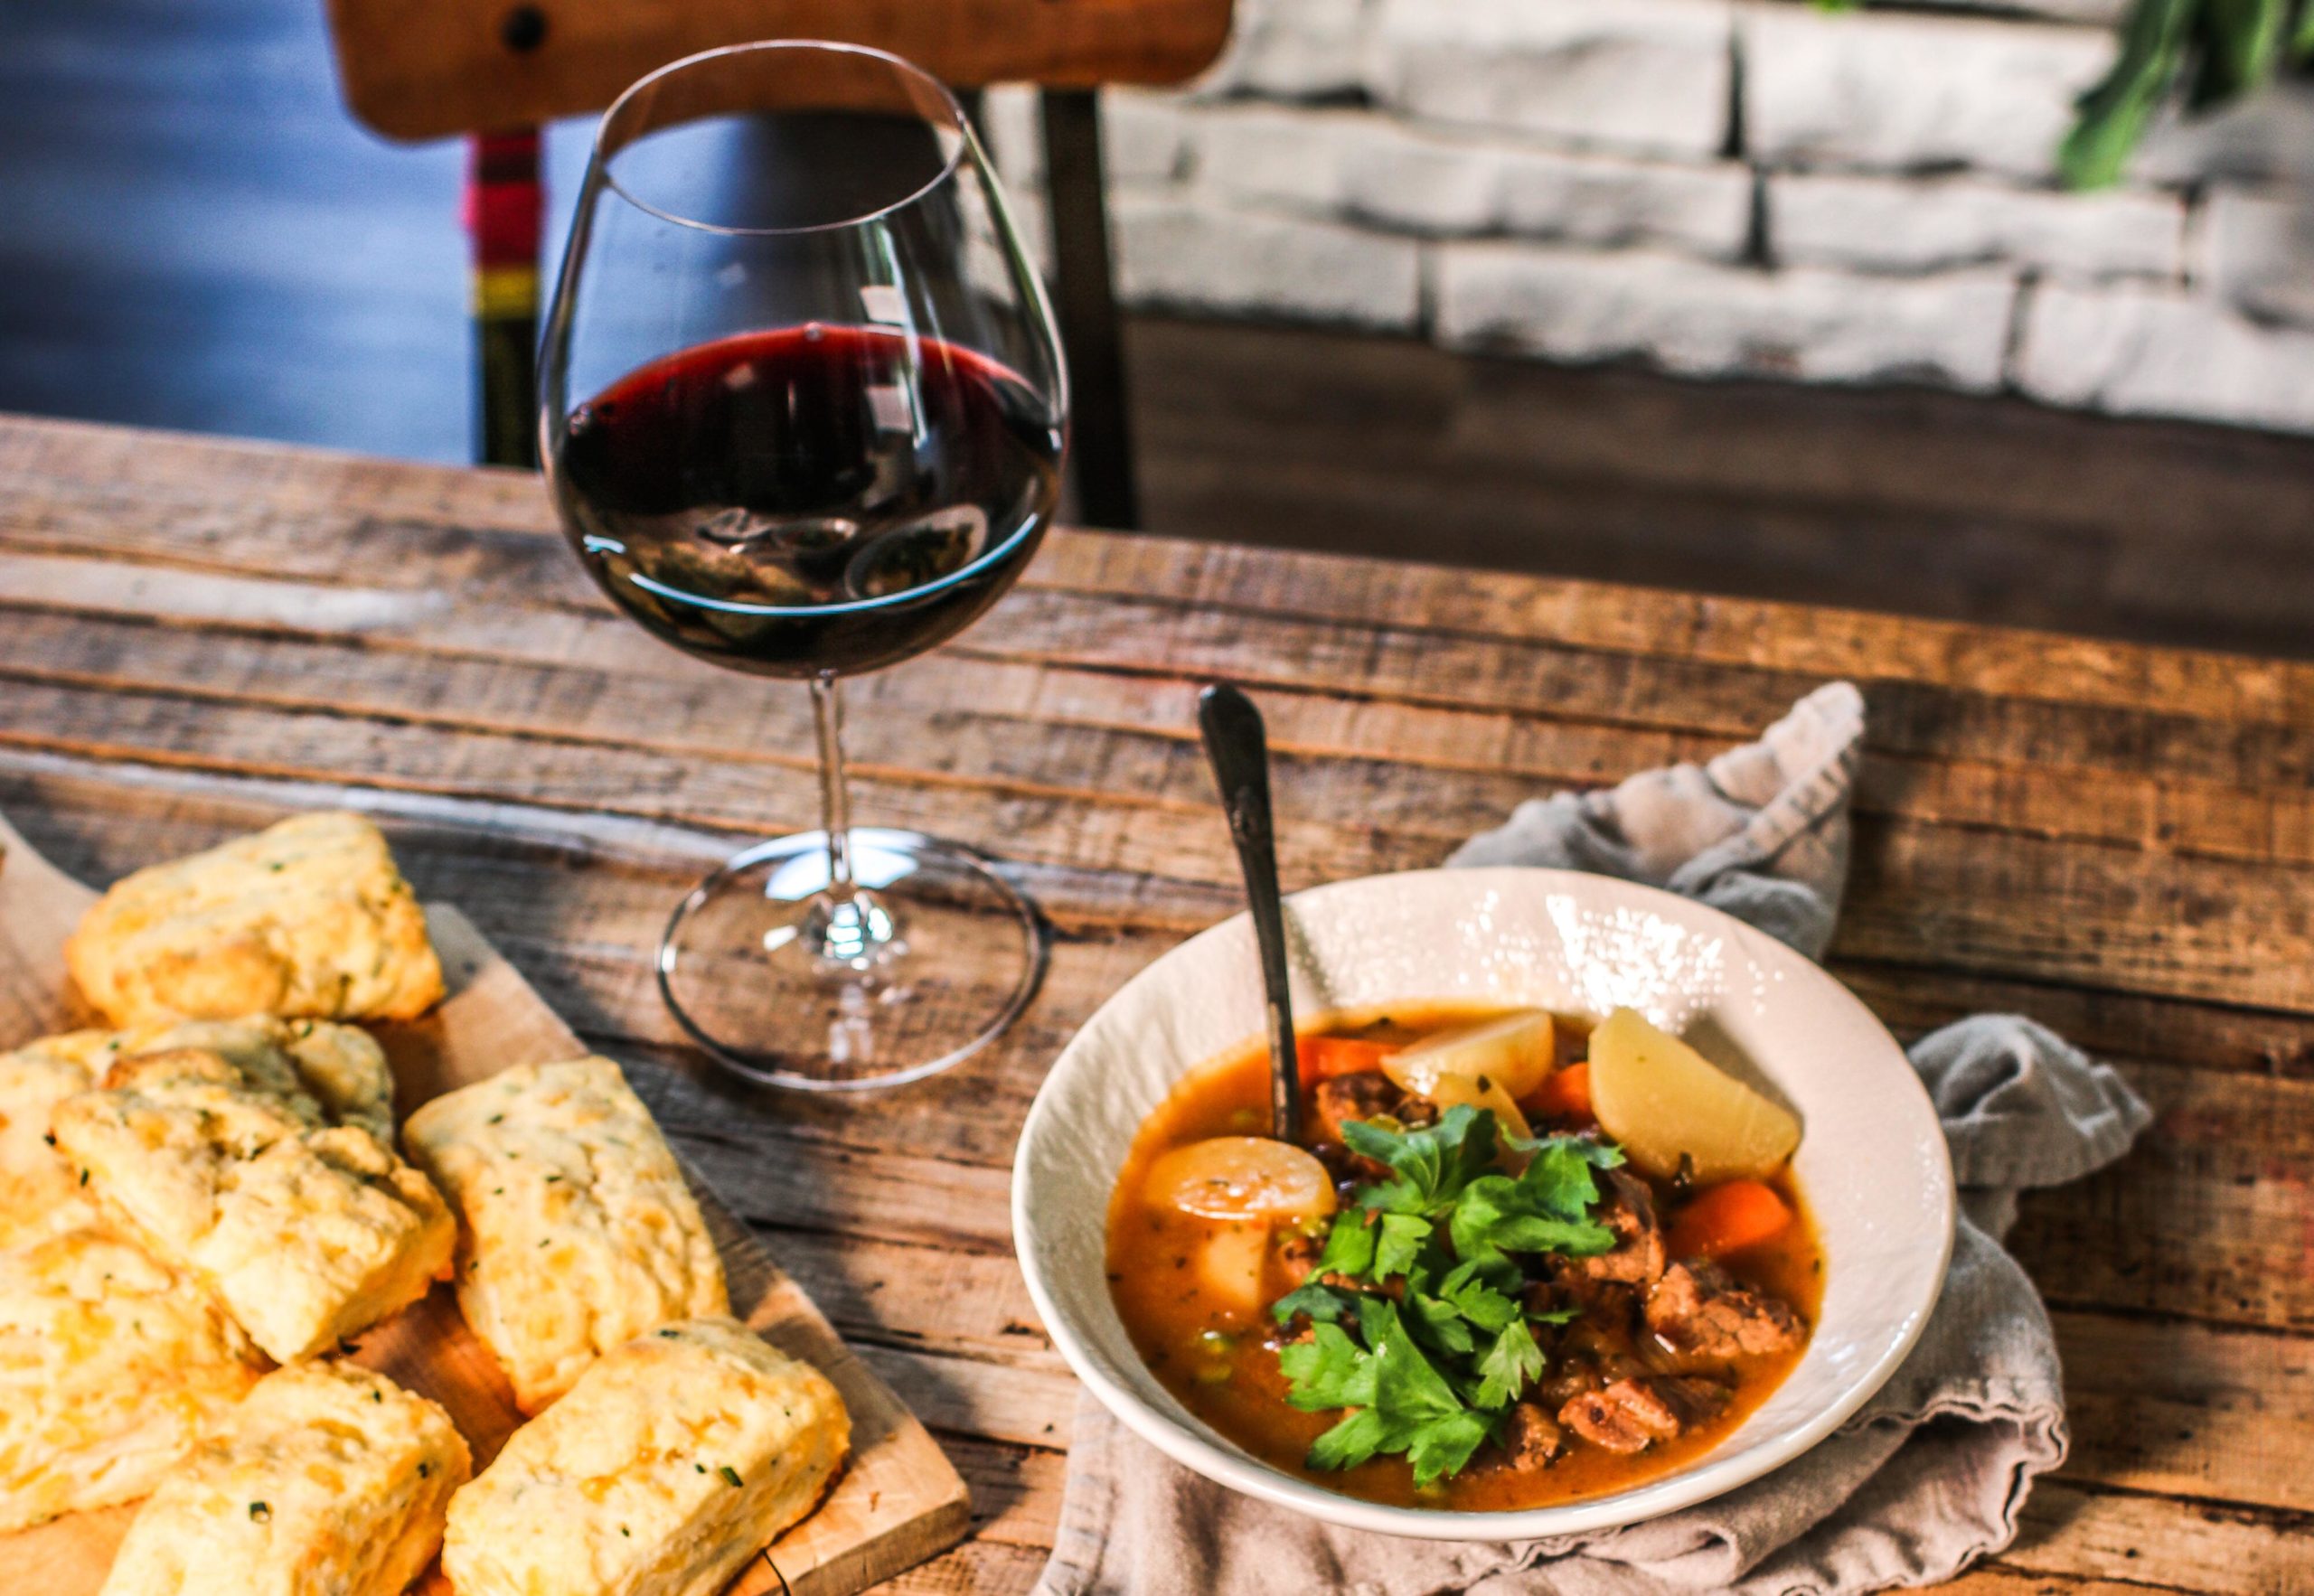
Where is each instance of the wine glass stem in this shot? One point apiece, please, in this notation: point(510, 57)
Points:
point(835, 804)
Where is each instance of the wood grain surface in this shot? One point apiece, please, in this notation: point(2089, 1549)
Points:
point(421, 68)
point(898, 1500)
point(195, 637)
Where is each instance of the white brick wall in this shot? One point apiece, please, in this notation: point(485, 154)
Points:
point(2139, 350)
point(1649, 75)
point(1686, 316)
point(1180, 254)
point(2257, 251)
point(1370, 168)
point(1887, 91)
point(1927, 224)
point(1871, 198)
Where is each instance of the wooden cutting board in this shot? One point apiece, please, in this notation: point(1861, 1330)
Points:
point(899, 1500)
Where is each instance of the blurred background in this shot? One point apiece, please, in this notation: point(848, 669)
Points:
point(1759, 298)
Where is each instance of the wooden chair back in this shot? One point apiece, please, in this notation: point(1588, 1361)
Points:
point(424, 69)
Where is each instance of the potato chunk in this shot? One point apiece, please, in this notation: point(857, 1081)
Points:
point(1512, 1051)
point(1241, 1177)
point(1661, 1100)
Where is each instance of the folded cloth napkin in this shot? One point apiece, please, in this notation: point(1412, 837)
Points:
point(1934, 1471)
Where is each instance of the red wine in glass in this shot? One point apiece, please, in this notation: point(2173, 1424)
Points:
point(803, 409)
point(810, 500)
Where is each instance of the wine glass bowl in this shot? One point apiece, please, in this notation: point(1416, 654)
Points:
point(803, 412)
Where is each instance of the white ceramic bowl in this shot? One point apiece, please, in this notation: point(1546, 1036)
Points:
point(1872, 1161)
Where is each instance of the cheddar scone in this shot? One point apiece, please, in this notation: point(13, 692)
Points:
point(575, 1231)
point(327, 1480)
point(309, 1230)
point(40, 1189)
point(670, 1462)
point(339, 1066)
point(112, 1365)
point(309, 918)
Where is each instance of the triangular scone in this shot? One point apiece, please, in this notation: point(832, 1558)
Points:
point(309, 918)
point(112, 1365)
point(575, 1231)
point(327, 1480)
point(662, 1472)
point(308, 1229)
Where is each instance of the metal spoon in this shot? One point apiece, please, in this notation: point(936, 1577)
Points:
point(1238, 751)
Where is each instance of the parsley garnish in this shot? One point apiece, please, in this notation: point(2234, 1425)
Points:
point(259, 1513)
point(1429, 1369)
point(730, 1476)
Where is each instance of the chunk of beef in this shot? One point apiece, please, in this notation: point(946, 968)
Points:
point(1604, 1284)
point(1627, 1209)
point(1342, 1098)
point(1632, 1415)
point(1700, 1311)
point(1531, 1439)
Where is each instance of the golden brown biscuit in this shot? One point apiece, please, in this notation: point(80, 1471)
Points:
point(327, 1480)
point(112, 1365)
point(40, 1189)
point(671, 1461)
point(309, 918)
point(308, 1229)
point(576, 1231)
point(340, 1066)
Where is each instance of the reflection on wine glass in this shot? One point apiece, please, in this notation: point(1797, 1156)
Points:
point(804, 414)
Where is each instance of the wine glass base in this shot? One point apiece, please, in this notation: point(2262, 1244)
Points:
point(747, 967)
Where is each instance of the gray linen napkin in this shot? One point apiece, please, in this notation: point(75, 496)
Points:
point(1928, 1477)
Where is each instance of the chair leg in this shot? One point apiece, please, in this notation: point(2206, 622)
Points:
point(503, 205)
point(1101, 439)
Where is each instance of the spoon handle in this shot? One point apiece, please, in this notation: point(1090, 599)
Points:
point(1238, 751)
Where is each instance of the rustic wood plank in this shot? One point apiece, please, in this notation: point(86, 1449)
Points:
point(2043, 908)
point(1346, 749)
point(82, 483)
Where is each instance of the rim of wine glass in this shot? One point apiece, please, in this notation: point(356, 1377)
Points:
point(906, 67)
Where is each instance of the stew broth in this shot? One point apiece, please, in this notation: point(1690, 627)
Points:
point(1191, 1323)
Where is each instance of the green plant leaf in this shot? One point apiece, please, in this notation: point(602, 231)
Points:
point(2113, 113)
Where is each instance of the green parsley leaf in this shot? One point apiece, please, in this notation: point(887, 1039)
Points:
point(1508, 1365)
point(1476, 1301)
point(1401, 1240)
point(1406, 1384)
point(1430, 1166)
point(1444, 1444)
point(1327, 1371)
point(1324, 1303)
point(1439, 1325)
point(1350, 1442)
point(1349, 1246)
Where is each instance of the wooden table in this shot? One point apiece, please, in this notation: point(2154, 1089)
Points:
point(2119, 841)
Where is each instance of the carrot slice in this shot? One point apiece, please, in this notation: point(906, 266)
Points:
point(1322, 1058)
point(1727, 1218)
point(1565, 1094)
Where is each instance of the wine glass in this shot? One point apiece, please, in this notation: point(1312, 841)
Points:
point(803, 411)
